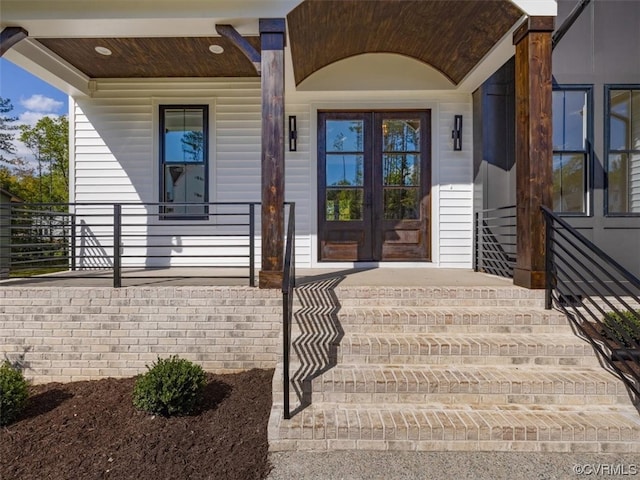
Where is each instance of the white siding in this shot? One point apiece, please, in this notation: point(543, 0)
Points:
point(117, 160)
point(455, 178)
point(116, 157)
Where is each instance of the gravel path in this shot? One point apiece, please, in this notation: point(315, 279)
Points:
point(359, 465)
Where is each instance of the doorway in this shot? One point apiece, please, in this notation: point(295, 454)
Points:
point(374, 183)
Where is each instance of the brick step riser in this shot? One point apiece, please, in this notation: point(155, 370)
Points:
point(409, 351)
point(571, 395)
point(542, 384)
point(588, 428)
point(427, 317)
point(432, 302)
point(469, 397)
point(379, 329)
point(451, 293)
point(578, 361)
point(348, 443)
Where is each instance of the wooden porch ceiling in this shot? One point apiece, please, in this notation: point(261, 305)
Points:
point(451, 36)
point(154, 57)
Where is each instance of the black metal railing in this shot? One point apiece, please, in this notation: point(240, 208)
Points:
point(599, 296)
point(288, 285)
point(129, 240)
point(495, 241)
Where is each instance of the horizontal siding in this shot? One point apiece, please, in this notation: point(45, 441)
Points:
point(115, 156)
point(455, 178)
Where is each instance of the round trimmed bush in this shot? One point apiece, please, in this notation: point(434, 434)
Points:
point(14, 391)
point(172, 386)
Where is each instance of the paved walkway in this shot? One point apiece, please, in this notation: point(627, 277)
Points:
point(358, 465)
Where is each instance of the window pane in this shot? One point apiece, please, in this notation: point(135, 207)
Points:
point(401, 203)
point(620, 120)
point(184, 184)
point(344, 204)
point(617, 183)
point(635, 120)
point(345, 136)
point(183, 165)
point(401, 135)
point(569, 119)
point(344, 169)
point(183, 135)
point(569, 183)
point(401, 169)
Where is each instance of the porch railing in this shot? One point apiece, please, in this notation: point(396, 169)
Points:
point(600, 298)
point(129, 240)
point(288, 284)
point(495, 241)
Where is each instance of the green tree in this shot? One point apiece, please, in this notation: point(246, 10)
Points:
point(6, 128)
point(49, 142)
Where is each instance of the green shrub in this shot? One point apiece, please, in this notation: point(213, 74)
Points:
point(627, 321)
point(172, 386)
point(13, 393)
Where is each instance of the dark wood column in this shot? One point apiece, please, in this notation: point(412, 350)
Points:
point(534, 149)
point(272, 39)
point(10, 36)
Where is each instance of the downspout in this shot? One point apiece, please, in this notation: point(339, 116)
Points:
point(568, 23)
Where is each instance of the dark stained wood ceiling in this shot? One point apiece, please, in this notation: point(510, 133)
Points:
point(154, 57)
point(451, 36)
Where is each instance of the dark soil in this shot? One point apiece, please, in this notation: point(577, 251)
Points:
point(90, 430)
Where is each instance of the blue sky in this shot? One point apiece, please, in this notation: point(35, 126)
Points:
point(31, 97)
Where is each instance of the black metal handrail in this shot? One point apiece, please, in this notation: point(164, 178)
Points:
point(128, 238)
point(288, 284)
point(495, 241)
point(599, 296)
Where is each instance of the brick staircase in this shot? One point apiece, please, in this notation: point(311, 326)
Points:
point(423, 368)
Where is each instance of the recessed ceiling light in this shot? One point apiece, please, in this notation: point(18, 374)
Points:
point(103, 51)
point(217, 49)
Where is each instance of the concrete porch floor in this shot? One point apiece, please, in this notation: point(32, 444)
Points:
point(177, 276)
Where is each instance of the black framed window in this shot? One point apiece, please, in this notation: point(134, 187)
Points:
point(184, 154)
point(572, 127)
point(622, 144)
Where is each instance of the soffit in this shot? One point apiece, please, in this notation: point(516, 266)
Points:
point(154, 57)
point(452, 37)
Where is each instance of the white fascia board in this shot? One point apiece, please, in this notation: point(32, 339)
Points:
point(537, 8)
point(47, 66)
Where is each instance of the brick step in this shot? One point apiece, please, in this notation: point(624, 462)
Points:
point(420, 296)
point(438, 319)
point(434, 349)
point(472, 385)
point(440, 427)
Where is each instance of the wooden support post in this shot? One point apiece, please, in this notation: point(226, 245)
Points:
point(534, 148)
point(10, 36)
point(272, 39)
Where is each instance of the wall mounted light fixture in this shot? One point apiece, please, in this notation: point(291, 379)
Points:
point(293, 134)
point(456, 134)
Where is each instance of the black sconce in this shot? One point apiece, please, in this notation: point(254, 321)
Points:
point(293, 134)
point(456, 134)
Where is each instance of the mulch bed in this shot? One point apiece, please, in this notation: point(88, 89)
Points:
point(90, 430)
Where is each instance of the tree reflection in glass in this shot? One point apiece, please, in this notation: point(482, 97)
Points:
point(344, 170)
point(401, 158)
